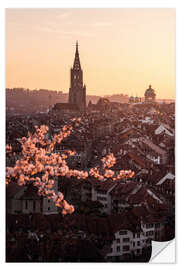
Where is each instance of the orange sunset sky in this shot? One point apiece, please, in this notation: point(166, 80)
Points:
point(121, 50)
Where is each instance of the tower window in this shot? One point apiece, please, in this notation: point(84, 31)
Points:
point(74, 76)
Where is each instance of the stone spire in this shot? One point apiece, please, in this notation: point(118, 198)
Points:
point(77, 65)
point(77, 91)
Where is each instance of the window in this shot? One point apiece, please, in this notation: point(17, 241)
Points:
point(118, 249)
point(118, 240)
point(148, 241)
point(26, 204)
point(87, 188)
point(125, 248)
point(34, 205)
point(122, 232)
point(48, 201)
point(125, 240)
point(101, 198)
point(138, 243)
point(149, 226)
point(49, 208)
point(101, 192)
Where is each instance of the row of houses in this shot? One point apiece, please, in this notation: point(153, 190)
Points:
point(114, 196)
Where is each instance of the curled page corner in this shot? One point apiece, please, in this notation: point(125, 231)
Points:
point(163, 252)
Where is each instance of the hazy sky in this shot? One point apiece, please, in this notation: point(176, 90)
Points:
point(121, 50)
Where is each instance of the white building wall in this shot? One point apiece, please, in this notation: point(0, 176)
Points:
point(105, 199)
point(94, 194)
point(49, 206)
point(15, 206)
point(27, 206)
point(137, 241)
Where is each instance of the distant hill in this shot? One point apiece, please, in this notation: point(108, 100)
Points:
point(23, 100)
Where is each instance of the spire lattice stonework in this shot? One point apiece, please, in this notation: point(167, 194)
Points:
point(77, 65)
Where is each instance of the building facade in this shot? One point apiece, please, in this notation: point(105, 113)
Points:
point(129, 244)
point(149, 95)
point(25, 200)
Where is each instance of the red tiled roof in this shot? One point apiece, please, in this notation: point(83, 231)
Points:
point(137, 159)
point(123, 188)
point(139, 211)
point(154, 147)
point(65, 106)
point(100, 185)
point(12, 189)
point(125, 221)
point(31, 193)
point(138, 197)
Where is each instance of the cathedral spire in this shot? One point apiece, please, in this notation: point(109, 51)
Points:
point(77, 91)
point(77, 65)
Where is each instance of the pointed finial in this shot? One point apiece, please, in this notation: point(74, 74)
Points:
point(76, 44)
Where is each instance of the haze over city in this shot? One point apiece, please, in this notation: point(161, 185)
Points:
point(121, 50)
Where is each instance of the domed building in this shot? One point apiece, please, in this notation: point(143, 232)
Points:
point(131, 99)
point(150, 95)
point(134, 99)
point(137, 99)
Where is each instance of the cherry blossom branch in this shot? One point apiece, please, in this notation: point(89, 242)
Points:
point(40, 165)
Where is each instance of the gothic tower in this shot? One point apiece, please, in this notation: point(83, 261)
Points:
point(77, 91)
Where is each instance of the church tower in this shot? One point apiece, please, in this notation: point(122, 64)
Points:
point(77, 91)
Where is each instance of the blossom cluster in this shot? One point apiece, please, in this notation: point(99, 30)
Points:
point(40, 165)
